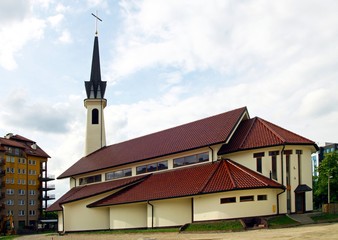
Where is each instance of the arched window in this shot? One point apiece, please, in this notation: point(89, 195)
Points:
point(95, 116)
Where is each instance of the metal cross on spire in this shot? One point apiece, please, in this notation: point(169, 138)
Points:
point(97, 18)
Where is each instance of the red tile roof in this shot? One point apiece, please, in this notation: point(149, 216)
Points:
point(90, 190)
point(256, 133)
point(224, 175)
point(25, 144)
point(201, 133)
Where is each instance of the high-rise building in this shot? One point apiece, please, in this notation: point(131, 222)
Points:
point(24, 181)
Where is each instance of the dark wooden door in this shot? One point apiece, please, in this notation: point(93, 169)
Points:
point(300, 202)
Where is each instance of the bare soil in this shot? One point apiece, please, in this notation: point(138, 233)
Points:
point(304, 232)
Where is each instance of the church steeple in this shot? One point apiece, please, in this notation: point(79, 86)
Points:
point(95, 88)
point(95, 103)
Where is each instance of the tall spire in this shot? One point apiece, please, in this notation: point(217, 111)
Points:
point(95, 88)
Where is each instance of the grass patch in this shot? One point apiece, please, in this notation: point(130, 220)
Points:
point(9, 237)
point(281, 221)
point(215, 226)
point(325, 217)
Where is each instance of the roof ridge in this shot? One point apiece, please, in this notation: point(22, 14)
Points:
point(230, 173)
point(242, 168)
point(270, 129)
point(210, 177)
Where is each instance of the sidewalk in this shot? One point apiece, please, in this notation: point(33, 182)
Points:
point(304, 218)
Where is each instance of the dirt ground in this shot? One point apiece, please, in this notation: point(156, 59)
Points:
point(304, 232)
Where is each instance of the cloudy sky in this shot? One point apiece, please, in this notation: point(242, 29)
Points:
point(166, 63)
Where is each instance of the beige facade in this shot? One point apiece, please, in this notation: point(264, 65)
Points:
point(95, 127)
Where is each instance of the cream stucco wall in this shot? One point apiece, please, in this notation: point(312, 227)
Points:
point(95, 133)
point(209, 207)
point(77, 217)
point(128, 216)
point(246, 158)
point(60, 221)
point(171, 212)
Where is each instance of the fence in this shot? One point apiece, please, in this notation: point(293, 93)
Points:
point(330, 208)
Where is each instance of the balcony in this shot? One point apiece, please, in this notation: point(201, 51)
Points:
point(49, 187)
point(47, 178)
point(48, 197)
point(2, 161)
point(2, 172)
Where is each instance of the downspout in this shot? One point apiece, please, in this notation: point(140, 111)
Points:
point(278, 200)
point(192, 209)
point(63, 221)
point(152, 214)
point(212, 154)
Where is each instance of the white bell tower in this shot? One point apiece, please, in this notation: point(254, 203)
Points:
point(95, 103)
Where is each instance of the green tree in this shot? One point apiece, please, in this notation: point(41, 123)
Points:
point(328, 168)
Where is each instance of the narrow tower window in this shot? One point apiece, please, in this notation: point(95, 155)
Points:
point(95, 116)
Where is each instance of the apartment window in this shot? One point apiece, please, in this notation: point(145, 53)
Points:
point(118, 174)
point(90, 179)
point(10, 180)
point(31, 202)
point(258, 157)
point(21, 192)
point(10, 202)
point(32, 212)
point(31, 162)
point(21, 213)
point(21, 202)
point(10, 159)
point(10, 191)
point(228, 200)
point(10, 170)
point(31, 192)
point(22, 160)
point(246, 198)
point(32, 172)
point(202, 157)
point(274, 155)
point(152, 167)
point(262, 197)
point(10, 212)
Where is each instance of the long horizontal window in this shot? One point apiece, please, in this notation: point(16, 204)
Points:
point(118, 174)
point(228, 200)
point(197, 158)
point(152, 167)
point(90, 179)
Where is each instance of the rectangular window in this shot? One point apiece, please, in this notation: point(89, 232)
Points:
point(31, 202)
point(21, 212)
point(10, 191)
point(274, 155)
point(246, 198)
point(10, 202)
point(262, 197)
point(10, 212)
point(258, 157)
point(31, 212)
point(90, 179)
point(118, 174)
point(152, 167)
point(21, 192)
point(192, 159)
point(228, 200)
point(31, 192)
point(21, 202)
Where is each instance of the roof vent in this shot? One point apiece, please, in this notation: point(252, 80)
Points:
point(9, 135)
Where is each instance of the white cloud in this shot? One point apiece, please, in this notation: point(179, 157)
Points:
point(55, 20)
point(65, 37)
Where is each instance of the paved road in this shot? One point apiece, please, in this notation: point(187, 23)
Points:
point(305, 232)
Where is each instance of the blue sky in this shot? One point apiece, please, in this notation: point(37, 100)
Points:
point(166, 63)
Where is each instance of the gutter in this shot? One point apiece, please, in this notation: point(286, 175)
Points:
point(152, 214)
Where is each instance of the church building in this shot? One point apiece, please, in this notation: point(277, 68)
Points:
point(226, 166)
